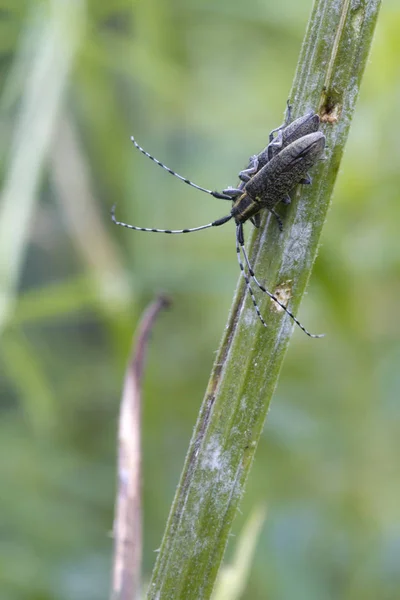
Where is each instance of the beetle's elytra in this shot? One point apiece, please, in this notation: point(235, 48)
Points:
point(293, 149)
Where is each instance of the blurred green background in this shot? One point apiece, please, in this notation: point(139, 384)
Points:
point(200, 83)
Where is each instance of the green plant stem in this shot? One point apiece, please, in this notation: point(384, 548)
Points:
point(249, 360)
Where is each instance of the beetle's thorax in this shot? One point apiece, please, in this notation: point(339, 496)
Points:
point(244, 208)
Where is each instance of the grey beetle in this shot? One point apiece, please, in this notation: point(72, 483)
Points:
point(267, 181)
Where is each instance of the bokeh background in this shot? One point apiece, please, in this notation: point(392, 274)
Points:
point(200, 83)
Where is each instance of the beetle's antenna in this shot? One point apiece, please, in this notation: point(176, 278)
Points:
point(216, 223)
point(240, 246)
point(198, 187)
point(248, 286)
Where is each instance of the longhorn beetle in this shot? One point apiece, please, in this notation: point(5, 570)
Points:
point(287, 133)
point(268, 180)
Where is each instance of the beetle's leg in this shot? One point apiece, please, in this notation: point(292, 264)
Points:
point(277, 142)
point(277, 217)
point(232, 192)
point(288, 118)
point(245, 175)
point(256, 220)
point(306, 180)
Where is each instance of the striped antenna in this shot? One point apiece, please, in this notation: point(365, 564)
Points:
point(216, 223)
point(240, 247)
point(171, 172)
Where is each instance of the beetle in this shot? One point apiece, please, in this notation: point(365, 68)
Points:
point(268, 180)
point(288, 132)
